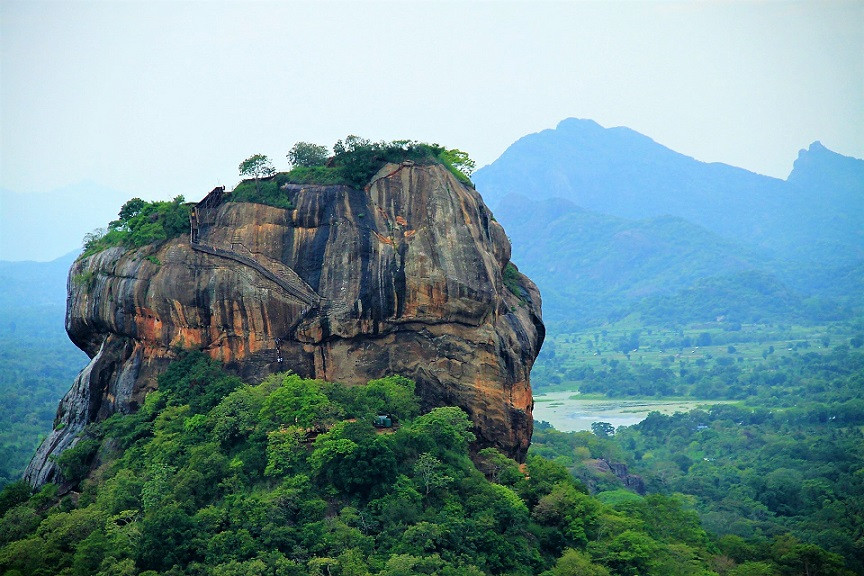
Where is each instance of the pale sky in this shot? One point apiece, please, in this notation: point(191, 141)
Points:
point(103, 101)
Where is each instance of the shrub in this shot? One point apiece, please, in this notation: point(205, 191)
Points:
point(197, 380)
point(322, 175)
point(306, 154)
point(140, 223)
point(75, 462)
point(13, 494)
point(84, 279)
point(266, 191)
point(511, 281)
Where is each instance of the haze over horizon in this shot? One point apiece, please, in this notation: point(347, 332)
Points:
point(100, 102)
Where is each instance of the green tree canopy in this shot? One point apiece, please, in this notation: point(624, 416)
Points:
point(307, 154)
point(140, 223)
point(300, 402)
point(458, 160)
point(257, 166)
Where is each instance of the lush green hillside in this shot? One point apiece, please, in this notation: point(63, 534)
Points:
point(779, 491)
point(591, 267)
point(290, 477)
point(594, 269)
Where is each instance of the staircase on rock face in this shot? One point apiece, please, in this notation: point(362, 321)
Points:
point(282, 275)
point(203, 217)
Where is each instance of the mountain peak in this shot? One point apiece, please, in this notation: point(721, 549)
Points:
point(817, 149)
point(589, 128)
point(578, 123)
point(582, 161)
point(815, 213)
point(818, 164)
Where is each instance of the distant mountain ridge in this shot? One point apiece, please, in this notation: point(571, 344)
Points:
point(33, 283)
point(817, 213)
point(33, 297)
point(590, 266)
point(602, 218)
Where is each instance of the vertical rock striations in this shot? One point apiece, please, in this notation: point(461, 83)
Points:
point(404, 277)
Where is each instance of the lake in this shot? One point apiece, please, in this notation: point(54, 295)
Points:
point(568, 413)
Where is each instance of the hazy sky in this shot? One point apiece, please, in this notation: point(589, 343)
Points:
point(102, 101)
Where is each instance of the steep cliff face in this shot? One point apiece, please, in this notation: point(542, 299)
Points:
point(404, 277)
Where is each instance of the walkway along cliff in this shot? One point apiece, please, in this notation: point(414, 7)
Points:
point(402, 277)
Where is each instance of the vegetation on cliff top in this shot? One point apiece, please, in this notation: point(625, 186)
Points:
point(140, 223)
point(354, 162)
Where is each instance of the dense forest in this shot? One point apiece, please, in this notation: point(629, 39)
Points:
point(760, 480)
point(291, 476)
point(780, 458)
point(29, 395)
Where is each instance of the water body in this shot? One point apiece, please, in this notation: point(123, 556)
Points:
point(567, 412)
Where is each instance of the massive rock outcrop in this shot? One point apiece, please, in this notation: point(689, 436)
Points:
point(403, 277)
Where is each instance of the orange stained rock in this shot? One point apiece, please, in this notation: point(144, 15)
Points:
point(148, 324)
point(384, 239)
point(186, 337)
point(520, 396)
